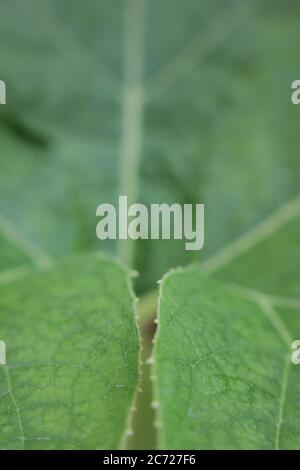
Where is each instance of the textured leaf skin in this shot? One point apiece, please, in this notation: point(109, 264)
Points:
point(223, 372)
point(72, 357)
point(217, 128)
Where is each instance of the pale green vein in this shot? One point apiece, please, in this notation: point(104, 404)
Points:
point(281, 302)
point(229, 20)
point(265, 229)
point(132, 111)
point(274, 318)
point(36, 254)
point(79, 53)
point(17, 410)
point(282, 399)
point(243, 244)
point(271, 314)
point(285, 302)
point(14, 274)
point(268, 310)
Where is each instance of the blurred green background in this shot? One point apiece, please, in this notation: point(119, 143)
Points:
point(173, 101)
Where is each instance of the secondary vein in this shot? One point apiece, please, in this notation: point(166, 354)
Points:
point(75, 49)
point(282, 400)
point(17, 410)
point(8, 230)
point(284, 334)
point(221, 27)
point(270, 313)
point(14, 274)
point(265, 229)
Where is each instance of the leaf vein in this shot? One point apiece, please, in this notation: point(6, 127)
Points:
point(262, 231)
point(17, 409)
point(132, 112)
point(282, 400)
point(27, 247)
point(220, 29)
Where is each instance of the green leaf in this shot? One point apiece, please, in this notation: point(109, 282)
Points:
point(224, 350)
point(124, 98)
point(266, 258)
point(223, 372)
point(72, 357)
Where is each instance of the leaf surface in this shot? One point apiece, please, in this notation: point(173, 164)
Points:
point(124, 98)
point(223, 372)
point(193, 107)
point(72, 357)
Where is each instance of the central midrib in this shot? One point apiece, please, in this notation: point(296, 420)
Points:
point(132, 112)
